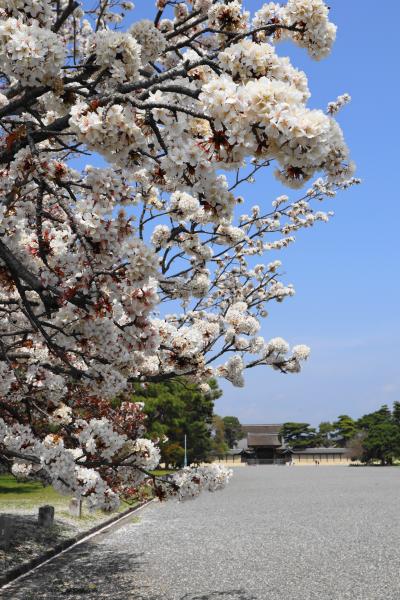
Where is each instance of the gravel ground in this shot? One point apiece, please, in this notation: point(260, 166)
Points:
point(29, 541)
point(277, 533)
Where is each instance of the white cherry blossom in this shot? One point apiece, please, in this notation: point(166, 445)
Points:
point(148, 264)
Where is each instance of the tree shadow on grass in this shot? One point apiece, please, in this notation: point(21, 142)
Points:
point(26, 488)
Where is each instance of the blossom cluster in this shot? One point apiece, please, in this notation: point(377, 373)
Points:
point(124, 462)
point(189, 482)
point(30, 54)
point(342, 100)
point(146, 267)
point(152, 41)
point(314, 30)
point(119, 53)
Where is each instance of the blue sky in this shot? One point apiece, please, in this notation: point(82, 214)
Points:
point(345, 272)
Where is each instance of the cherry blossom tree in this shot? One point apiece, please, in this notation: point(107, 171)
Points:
point(145, 269)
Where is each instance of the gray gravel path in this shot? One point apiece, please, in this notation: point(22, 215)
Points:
point(277, 533)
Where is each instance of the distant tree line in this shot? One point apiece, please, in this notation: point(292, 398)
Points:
point(177, 408)
point(373, 437)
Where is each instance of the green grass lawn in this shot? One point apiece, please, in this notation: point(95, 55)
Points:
point(14, 494)
point(160, 472)
point(28, 496)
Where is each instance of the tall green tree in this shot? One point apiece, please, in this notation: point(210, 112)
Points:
point(382, 443)
point(382, 415)
point(396, 413)
point(326, 432)
point(177, 408)
point(346, 429)
point(381, 434)
point(299, 435)
point(233, 431)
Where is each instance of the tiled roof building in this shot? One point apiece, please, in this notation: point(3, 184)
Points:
point(263, 444)
point(262, 441)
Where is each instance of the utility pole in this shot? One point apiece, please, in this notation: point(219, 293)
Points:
point(185, 457)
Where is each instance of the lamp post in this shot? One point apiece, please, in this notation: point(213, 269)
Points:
point(185, 457)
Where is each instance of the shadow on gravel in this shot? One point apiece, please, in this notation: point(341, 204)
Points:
point(84, 572)
point(228, 595)
point(27, 540)
point(98, 572)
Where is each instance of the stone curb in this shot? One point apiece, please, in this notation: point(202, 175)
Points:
point(23, 568)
